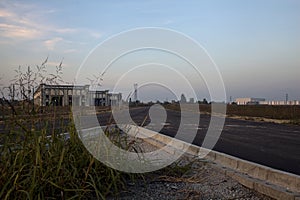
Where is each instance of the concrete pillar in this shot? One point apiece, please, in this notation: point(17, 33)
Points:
point(65, 98)
point(79, 100)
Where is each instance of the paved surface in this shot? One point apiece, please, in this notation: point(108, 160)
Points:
point(269, 144)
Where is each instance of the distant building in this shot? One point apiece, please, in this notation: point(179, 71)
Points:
point(261, 101)
point(182, 99)
point(192, 100)
point(68, 95)
point(248, 101)
point(173, 101)
point(280, 103)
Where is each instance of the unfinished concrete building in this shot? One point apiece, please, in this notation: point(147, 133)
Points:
point(69, 95)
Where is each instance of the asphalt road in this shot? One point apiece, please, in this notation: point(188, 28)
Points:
point(269, 144)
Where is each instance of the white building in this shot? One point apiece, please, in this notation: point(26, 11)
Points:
point(280, 103)
point(248, 101)
point(261, 101)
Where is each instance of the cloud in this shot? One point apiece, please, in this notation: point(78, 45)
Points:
point(65, 30)
point(168, 21)
point(5, 13)
point(50, 44)
point(14, 31)
point(70, 51)
point(16, 23)
point(94, 34)
point(27, 25)
point(14, 26)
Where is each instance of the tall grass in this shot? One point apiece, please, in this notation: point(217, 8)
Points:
point(35, 166)
point(36, 160)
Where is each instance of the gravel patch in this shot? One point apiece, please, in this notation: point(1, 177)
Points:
point(188, 178)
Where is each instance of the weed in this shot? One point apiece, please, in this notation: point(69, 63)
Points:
point(36, 160)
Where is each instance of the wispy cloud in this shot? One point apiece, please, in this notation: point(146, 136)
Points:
point(95, 34)
point(70, 51)
point(65, 30)
point(50, 44)
point(5, 13)
point(24, 22)
point(13, 31)
point(13, 26)
point(168, 21)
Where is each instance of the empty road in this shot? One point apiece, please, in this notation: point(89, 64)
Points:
point(269, 144)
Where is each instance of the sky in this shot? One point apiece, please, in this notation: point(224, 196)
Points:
point(255, 44)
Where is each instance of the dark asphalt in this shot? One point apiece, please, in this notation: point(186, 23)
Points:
point(269, 144)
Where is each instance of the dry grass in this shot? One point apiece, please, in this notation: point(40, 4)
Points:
point(36, 166)
point(36, 160)
point(289, 113)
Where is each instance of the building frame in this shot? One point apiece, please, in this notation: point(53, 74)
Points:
point(74, 95)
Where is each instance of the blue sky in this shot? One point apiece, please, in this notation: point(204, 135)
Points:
point(255, 44)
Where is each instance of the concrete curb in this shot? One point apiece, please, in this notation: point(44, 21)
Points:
point(271, 182)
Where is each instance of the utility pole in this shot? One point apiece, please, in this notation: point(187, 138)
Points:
point(135, 91)
point(13, 93)
point(286, 98)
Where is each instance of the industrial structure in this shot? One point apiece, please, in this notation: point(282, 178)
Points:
point(280, 103)
point(261, 101)
point(248, 101)
point(68, 95)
